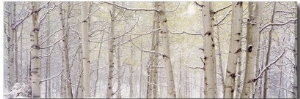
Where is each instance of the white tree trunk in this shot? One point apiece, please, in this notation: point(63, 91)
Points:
point(65, 30)
point(80, 84)
point(141, 70)
point(155, 60)
point(48, 64)
point(15, 33)
point(85, 50)
point(235, 49)
point(237, 87)
point(209, 55)
point(268, 53)
point(295, 56)
point(11, 46)
point(119, 71)
point(110, 55)
point(35, 53)
point(166, 50)
point(98, 65)
point(255, 10)
point(62, 76)
point(152, 84)
point(131, 73)
point(15, 38)
point(220, 91)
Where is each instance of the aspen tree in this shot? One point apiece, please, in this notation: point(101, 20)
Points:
point(235, 48)
point(166, 50)
point(12, 46)
point(35, 53)
point(209, 55)
point(265, 84)
point(152, 85)
point(85, 50)
point(111, 52)
point(252, 37)
point(65, 29)
point(295, 57)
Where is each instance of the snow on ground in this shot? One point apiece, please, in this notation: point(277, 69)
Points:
point(19, 90)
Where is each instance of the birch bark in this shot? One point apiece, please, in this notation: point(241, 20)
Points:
point(235, 48)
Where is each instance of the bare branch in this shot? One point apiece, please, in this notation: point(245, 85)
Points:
point(50, 36)
point(186, 33)
point(223, 8)
point(131, 9)
point(17, 23)
point(198, 4)
point(284, 11)
point(52, 76)
point(283, 88)
point(269, 65)
point(139, 36)
point(196, 67)
point(47, 55)
point(75, 31)
point(202, 60)
point(146, 50)
point(218, 23)
point(276, 24)
point(54, 43)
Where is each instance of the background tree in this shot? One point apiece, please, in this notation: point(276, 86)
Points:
point(144, 69)
point(85, 50)
point(12, 47)
point(65, 29)
point(111, 53)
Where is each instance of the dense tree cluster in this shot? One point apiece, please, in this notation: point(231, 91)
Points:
point(150, 49)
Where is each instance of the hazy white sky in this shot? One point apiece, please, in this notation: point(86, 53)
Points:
point(191, 9)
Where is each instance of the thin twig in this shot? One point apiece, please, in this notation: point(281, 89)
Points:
point(198, 4)
point(269, 65)
point(145, 50)
point(218, 23)
point(186, 33)
point(52, 76)
point(276, 24)
point(139, 36)
point(223, 8)
point(131, 9)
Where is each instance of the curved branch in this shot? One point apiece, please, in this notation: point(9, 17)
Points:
point(269, 65)
point(218, 23)
point(52, 76)
point(276, 24)
point(222, 8)
point(198, 4)
point(131, 9)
